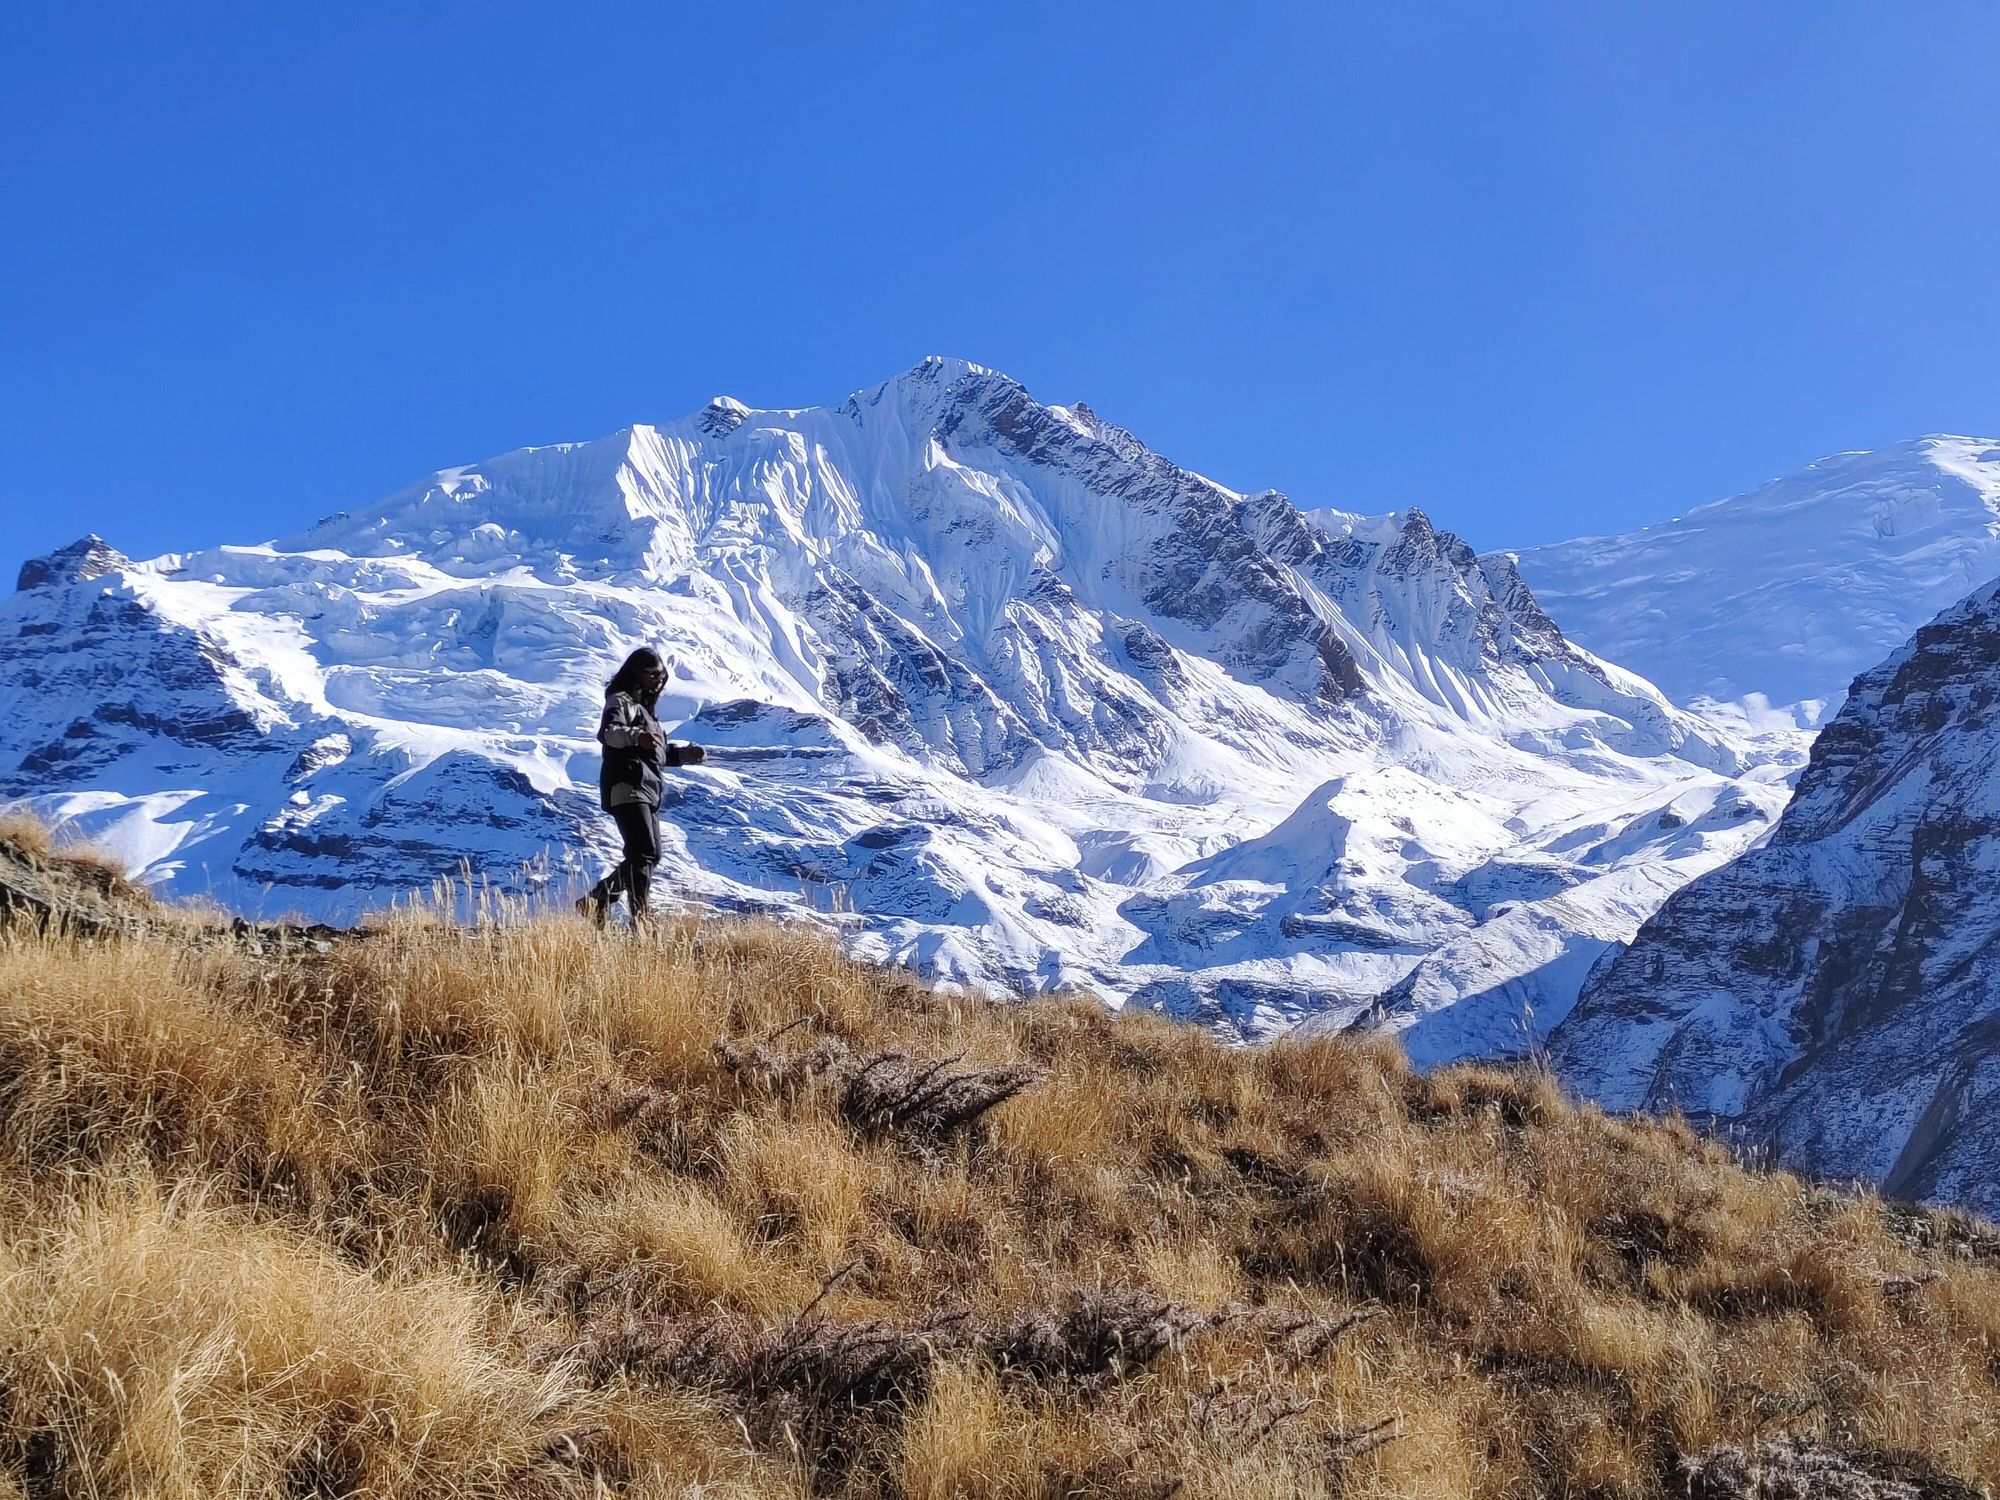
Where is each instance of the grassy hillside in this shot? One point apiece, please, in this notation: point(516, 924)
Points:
point(487, 1211)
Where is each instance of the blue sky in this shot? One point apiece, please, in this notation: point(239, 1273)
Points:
point(1542, 269)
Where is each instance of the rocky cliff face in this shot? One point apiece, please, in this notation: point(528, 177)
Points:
point(1836, 992)
point(988, 683)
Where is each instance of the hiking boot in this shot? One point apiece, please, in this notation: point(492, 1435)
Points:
point(591, 910)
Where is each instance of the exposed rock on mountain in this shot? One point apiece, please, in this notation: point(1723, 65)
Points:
point(989, 684)
point(90, 557)
point(1836, 992)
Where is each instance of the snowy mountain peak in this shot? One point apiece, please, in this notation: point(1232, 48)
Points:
point(993, 675)
point(1764, 607)
point(89, 556)
point(722, 416)
point(945, 369)
point(927, 393)
point(563, 511)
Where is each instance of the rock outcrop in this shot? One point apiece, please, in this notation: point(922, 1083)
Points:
point(86, 558)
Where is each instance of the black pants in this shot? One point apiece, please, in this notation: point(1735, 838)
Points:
point(639, 826)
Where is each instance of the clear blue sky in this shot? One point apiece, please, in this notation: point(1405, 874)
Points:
point(1542, 269)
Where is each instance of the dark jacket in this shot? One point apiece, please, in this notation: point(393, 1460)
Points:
point(634, 745)
point(635, 750)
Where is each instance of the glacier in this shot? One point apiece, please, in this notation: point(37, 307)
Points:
point(988, 685)
point(1759, 610)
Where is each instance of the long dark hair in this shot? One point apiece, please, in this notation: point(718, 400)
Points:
point(629, 677)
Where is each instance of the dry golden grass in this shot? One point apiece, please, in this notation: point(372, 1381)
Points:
point(480, 1212)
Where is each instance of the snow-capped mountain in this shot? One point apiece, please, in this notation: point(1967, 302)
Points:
point(988, 683)
point(1836, 991)
point(1767, 605)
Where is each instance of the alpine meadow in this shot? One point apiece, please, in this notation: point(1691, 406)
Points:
point(521, 1208)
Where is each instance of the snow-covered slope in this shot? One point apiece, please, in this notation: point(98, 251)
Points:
point(988, 683)
point(1771, 602)
point(1837, 990)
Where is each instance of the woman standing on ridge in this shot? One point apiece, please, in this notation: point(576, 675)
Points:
point(635, 751)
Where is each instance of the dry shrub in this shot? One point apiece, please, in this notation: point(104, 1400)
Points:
point(840, 1389)
point(891, 1092)
point(1094, 1335)
point(827, 1390)
point(1790, 1466)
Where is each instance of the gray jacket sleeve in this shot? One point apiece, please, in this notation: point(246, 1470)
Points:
point(623, 727)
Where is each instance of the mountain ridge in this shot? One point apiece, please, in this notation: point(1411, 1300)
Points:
point(1830, 994)
point(964, 649)
point(1762, 607)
